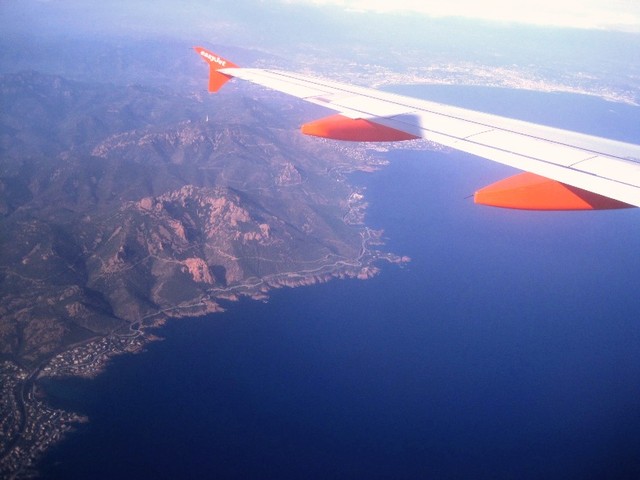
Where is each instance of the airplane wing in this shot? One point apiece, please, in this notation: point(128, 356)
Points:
point(563, 170)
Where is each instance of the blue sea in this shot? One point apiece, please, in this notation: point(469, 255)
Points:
point(508, 348)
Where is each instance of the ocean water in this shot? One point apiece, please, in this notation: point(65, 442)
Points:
point(509, 347)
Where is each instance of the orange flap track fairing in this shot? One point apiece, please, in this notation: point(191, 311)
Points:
point(339, 127)
point(528, 191)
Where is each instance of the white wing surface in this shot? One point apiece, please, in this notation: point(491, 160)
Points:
point(604, 167)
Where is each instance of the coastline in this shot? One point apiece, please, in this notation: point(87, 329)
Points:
point(36, 426)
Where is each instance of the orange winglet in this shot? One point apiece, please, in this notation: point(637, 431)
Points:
point(216, 79)
point(527, 191)
point(339, 127)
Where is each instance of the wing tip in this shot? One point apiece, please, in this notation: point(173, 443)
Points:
point(213, 59)
point(216, 62)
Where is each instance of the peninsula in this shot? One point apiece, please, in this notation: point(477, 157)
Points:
point(122, 207)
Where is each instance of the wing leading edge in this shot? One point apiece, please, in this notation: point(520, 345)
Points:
point(564, 170)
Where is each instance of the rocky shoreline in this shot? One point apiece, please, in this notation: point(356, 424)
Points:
point(158, 211)
point(32, 427)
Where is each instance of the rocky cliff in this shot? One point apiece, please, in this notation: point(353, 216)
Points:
point(127, 205)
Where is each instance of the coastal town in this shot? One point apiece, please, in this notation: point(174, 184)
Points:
point(29, 426)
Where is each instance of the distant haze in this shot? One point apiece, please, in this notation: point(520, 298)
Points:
point(600, 14)
point(455, 42)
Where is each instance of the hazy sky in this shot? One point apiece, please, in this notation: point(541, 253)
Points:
point(605, 14)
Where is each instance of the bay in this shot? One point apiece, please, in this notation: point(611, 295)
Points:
point(507, 348)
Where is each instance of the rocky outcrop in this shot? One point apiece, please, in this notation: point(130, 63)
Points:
point(123, 205)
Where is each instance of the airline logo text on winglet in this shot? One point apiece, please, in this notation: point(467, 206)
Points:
point(213, 58)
